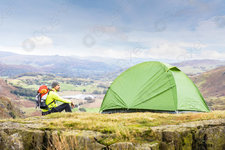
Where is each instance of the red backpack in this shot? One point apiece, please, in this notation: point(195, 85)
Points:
point(41, 97)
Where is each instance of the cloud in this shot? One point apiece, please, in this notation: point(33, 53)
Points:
point(184, 51)
point(99, 51)
point(108, 32)
point(219, 21)
point(211, 26)
point(204, 41)
point(210, 54)
point(41, 41)
point(167, 51)
point(37, 42)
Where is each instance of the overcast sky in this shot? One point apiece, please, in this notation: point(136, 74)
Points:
point(158, 29)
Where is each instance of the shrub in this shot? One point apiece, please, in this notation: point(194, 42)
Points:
point(96, 92)
point(24, 92)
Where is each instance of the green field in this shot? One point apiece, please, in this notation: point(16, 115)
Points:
point(67, 84)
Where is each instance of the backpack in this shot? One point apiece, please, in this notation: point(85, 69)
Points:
point(41, 97)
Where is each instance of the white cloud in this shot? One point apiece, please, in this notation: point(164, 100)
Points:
point(210, 54)
point(37, 42)
point(110, 32)
point(212, 28)
point(105, 52)
point(167, 51)
point(206, 41)
point(41, 41)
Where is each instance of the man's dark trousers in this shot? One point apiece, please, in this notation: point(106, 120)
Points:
point(60, 108)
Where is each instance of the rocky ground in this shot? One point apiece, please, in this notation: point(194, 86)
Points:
point(91, 131)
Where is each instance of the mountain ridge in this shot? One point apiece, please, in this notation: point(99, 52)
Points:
point(12, 64)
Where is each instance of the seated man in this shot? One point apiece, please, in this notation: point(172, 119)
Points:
point(51, 101)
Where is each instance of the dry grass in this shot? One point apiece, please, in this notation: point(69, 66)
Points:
point(125, 126)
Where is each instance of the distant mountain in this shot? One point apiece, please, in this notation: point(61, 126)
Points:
point(12, 70)
point(14, 64)
point(192, 67)
point(6, 54)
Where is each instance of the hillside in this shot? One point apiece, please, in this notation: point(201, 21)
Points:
point(212, 83)
point(136, 131)
point(212, 86)
point(8, 105)
point(5, 89)
point(12, 103)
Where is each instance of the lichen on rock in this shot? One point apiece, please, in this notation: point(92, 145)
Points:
point(26, 135)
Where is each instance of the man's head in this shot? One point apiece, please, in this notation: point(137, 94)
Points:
point(56, 85)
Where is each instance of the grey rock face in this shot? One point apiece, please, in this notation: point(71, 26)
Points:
point(199, 135)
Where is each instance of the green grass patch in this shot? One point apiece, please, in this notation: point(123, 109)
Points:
point(67, 87)
point(92, 110)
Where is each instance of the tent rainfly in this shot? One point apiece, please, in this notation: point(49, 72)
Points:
point(153, 86)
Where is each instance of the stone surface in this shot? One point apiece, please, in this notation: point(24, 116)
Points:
point(199, 135)
point(147, 146)
point(77, 139)
point(122, 145)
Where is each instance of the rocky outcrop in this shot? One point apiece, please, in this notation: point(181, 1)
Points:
point(200, 135)
point(8, 109)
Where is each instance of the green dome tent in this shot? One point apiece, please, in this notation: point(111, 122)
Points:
point(153, 86)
